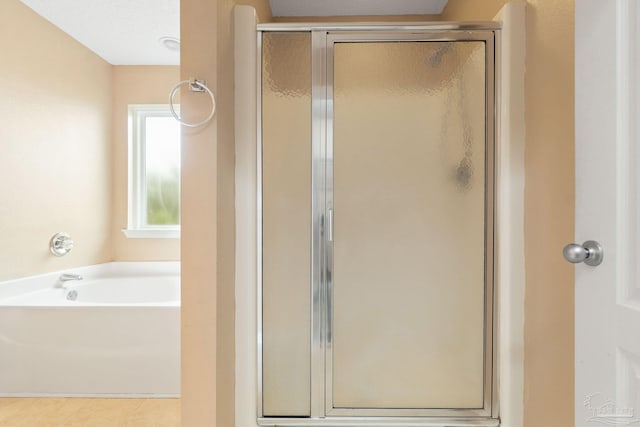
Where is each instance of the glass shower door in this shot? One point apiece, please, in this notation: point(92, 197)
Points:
point(375, 226)
point(409, 203)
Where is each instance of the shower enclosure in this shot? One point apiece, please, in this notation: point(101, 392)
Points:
point(376, 224)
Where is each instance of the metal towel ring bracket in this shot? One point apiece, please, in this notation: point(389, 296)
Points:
point(194, 86)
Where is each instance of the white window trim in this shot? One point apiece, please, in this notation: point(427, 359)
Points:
point(149, 233)
point(136, 227)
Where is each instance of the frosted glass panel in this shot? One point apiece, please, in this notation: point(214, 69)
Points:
point(409, 225)
point(286, 174)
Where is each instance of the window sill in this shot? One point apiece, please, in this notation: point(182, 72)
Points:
point(151, 233)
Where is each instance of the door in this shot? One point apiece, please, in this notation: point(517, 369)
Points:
point(410, 206)
point(376, 226)
point(607, 296)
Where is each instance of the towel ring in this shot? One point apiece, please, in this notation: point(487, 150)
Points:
point(194, 86)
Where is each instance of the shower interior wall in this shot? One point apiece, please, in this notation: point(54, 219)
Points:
point(64, 142)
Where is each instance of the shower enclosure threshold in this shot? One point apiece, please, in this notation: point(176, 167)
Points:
point(380, 422)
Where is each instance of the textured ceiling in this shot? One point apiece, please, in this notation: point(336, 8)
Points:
point(127, 32)
point(122, 32)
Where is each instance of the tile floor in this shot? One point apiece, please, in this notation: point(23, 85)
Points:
point(93, 412)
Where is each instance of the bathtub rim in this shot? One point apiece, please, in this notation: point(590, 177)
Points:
point(23, 286)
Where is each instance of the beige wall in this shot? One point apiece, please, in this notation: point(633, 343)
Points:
point(55, 143)
point(64, 145)
point(263, 10)
point(471, 10)
point(207, 240)
point(549, 203)
point(136, 85)
point(200, 37)
point(225, 381)
point(549, 214)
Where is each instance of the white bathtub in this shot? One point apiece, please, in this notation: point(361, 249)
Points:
point(120, 337)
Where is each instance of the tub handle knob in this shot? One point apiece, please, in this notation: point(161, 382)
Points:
point(60, 244)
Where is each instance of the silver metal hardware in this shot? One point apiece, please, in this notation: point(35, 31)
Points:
point(319, 127)
point(590, 252)
point(330, 225)
point(196, 85)
point(391, 26)
point(60, 244)
point(65, 277)
point(380, 422)
point(72, 295)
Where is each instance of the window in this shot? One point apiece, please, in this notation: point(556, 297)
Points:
point(154, 172)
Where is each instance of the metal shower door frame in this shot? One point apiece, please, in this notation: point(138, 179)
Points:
point(323, 39)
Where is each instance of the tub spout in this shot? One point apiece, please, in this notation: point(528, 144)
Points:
point(65, 277)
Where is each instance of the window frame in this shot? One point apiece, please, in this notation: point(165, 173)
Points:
point(137, 226)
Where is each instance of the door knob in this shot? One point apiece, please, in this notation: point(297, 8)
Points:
point(590, 252)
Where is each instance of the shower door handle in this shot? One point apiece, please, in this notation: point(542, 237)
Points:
point(330, 225)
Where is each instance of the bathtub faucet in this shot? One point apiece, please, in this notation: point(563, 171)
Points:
point(65, 277)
